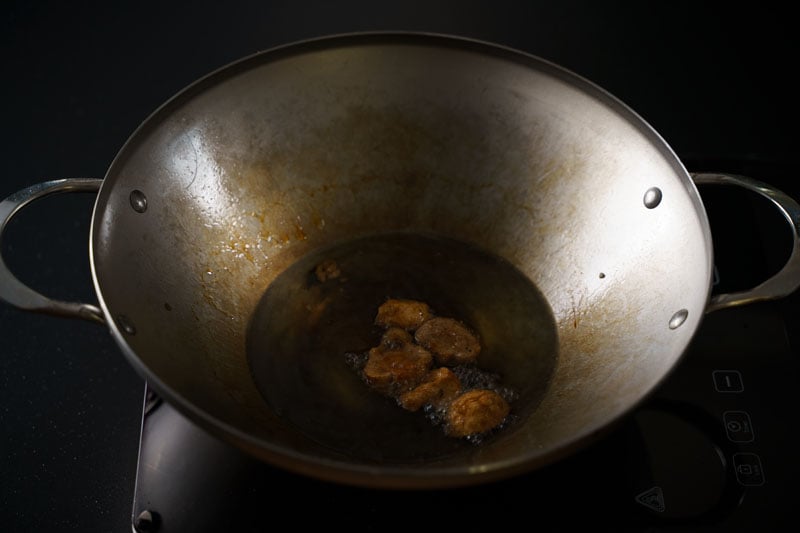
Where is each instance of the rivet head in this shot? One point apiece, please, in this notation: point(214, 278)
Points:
point(678, 319)
point(652, 197)
point(126, 325)
point(138, 201)
point(146, 521)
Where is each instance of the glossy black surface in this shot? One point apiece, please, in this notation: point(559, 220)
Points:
point(78, 78)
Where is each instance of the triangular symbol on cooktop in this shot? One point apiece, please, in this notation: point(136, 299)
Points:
point(652, 499)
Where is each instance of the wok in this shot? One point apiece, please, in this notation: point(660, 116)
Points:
point(501, 188)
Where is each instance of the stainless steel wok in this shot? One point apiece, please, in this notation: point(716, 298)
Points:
point(291, 151)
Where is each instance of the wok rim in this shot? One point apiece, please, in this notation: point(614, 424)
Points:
point(407, 476)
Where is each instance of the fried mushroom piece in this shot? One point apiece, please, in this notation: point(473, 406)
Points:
point(476, 411)
point(406, 314)
point(393, 371)
point(439, 387)
point(451, 342)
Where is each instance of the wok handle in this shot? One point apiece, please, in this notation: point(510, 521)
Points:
point(12, 290)
point(788, 278)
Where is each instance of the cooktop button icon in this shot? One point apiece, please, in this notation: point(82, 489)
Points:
point(738, 426)
point(748, 469)
point(728, 381)
point(653, 499)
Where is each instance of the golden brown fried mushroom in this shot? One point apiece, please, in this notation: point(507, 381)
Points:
point(400, 367)
point(396, 370)
point(439, 387)
point(406, 314)
point(476, 411)
point(451, 342)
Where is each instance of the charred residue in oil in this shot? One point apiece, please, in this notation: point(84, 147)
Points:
point(305, 325)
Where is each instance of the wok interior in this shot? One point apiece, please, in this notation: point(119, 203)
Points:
point(286, 153)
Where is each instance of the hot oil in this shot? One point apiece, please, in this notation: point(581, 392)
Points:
point(307, 330)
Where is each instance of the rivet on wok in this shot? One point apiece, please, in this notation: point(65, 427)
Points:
point(138, 201)
point(602, 275)
point(151, 401)
point(678, 319)
point(146, 521)
point(652, 197)
point(125, 325)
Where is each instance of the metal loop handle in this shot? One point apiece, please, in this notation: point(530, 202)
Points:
point(788, 278)
point(15, 292)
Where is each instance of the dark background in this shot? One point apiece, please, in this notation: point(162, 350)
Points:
point(716, 80)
